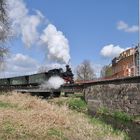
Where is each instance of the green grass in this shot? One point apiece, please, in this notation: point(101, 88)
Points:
point(7, 105)
point(103, 110)
point(77, 104)
point(107, 128)
point(74, 103)
point(122, 116)
point(115, 114)
point(8, 128)
point(45, 120)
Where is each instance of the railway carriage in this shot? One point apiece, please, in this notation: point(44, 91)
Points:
point(19, 81)
point(5, 82)
point(37, 79)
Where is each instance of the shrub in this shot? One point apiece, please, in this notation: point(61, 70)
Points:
point(77, 104)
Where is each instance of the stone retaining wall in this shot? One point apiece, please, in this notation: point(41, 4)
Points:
point(122, 97)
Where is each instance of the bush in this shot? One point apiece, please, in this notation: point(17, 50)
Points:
point(77, 104)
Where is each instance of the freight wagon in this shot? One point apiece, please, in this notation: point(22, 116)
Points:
point(36, 79)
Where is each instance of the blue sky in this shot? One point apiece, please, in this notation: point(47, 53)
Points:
point(88, 25)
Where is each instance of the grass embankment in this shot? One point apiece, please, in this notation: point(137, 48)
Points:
point(77, 104)
point(27, 117)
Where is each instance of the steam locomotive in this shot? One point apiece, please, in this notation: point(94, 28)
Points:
point(37, 79)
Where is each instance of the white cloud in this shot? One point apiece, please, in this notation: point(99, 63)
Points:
point(121, 25)
point(19, 64)
point(111, 51)
point(56, 43)
point(23, 61)
point(23, 23)
point(26, 26)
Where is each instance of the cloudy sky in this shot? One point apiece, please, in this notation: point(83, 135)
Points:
point(60, 31)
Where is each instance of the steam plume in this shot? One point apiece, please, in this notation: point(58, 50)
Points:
point(26, 26)
point(56, 43)
point(53, 83)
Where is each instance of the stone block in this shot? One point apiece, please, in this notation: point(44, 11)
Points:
point(94, 105)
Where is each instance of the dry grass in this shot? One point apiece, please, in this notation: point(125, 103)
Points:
point(27, 117)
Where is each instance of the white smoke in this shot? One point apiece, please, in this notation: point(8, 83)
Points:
point(56, 43)
point(54, 82)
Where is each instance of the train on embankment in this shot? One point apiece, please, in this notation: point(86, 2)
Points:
point(32, 83)
point(35, 80)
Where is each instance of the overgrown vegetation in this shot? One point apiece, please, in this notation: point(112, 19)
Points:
point(98, 122)
point(116, 114)
point(76, 103)
point(122, 116)
point(34, 118)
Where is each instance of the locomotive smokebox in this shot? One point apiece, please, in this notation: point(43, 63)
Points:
point(68, 75)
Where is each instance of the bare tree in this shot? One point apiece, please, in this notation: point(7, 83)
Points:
point(3, 53)
point(4, 25)
point(103, 71)
point(85, 71)
point(4, 31)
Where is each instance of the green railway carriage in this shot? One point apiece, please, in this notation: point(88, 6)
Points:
point(22, 80)
point(4, 82)
point(38, 78)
